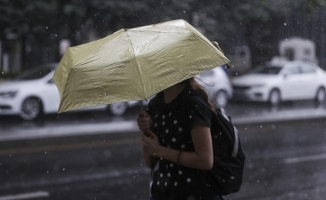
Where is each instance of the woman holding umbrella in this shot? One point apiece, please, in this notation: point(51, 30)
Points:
point(176, 142)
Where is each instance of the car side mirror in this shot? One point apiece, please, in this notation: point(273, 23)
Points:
point(50, 81)
point(285, 76)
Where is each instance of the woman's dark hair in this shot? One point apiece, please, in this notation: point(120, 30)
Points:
point(196, 86)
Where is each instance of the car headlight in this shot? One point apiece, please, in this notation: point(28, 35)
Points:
point(8, 94)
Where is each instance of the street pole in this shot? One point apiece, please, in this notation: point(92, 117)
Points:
point(322, 49)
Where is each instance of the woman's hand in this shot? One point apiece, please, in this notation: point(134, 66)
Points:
point(144, 121)
point(150, 143)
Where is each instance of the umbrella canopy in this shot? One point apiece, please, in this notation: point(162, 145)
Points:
point(133, 64)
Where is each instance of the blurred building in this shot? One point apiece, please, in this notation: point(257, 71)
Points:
point(296, 48)
point(240, 60)
point(10, 58)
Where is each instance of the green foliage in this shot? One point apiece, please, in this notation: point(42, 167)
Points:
point(257, 23)
point(233, 22)
point(22, 17)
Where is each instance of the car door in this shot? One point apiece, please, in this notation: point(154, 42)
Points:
point(291, 86)
point(308, 81)
point(51, 95)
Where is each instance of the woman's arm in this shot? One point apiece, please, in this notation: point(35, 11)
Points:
point(144, 122)
point(150, 160)
point(201, 158)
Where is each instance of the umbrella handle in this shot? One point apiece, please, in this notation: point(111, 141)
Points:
point(142, 108)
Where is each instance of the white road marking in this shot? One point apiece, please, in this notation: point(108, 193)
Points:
point(77, 178)
point(31, 195)
point(305, 158)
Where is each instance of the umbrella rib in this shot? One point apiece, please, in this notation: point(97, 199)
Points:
point(142, 83)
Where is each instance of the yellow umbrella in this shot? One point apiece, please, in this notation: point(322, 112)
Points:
point(133, 64)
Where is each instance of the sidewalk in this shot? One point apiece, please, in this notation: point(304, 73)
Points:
point(277, 116)
point(122, 127)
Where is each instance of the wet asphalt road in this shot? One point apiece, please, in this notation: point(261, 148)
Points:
point(285, 160)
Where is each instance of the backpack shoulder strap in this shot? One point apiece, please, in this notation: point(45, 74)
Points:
point(226, 121)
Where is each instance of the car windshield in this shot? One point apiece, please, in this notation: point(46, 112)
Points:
point(267, 69)
point(34, 74)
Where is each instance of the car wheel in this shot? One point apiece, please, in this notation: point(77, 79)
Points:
point(321, 96)
point(118, 109)
point(274, 97)
point(221, 99)
point(31, 108)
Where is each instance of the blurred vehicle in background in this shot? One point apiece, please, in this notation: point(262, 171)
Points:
point(33, 93)
point(279, 81)
point(216, 82)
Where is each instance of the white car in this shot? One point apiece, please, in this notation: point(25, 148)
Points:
point(281, 81)
point(217, 84)
point(33, 93)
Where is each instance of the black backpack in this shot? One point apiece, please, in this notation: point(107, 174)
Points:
point(225, 177)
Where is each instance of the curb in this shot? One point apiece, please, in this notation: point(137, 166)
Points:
point(99, 132)
point(278, 116)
